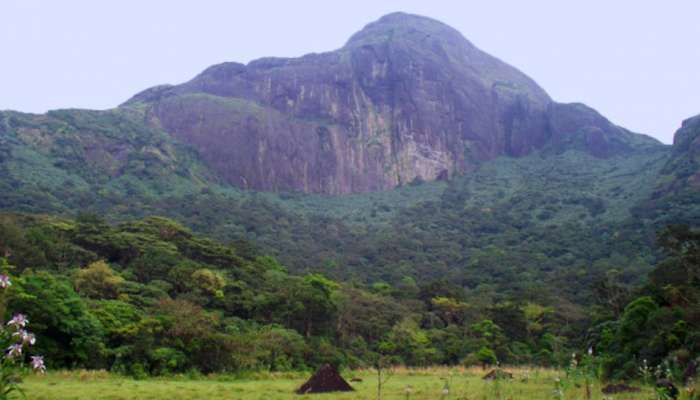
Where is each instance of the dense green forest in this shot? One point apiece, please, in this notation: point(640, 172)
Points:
point(520, 260)
point(148, 296)
point(526, 225)
point(553, 214)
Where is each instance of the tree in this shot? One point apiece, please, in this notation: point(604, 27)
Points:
point(98, 281)
point(411, 343)
point(490, 341)
point(210, 282)
point(319, 307)
point(366, 315)
point(70, 335)
point(450, 310)
point(611, 293)
point(486, 356)
point(682, 267)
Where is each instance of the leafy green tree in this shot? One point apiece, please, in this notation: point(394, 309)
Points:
point(16, 247)
point(450, 310)
point(210, 282)
point(70, 334)
point(490, 336)
point(99, 281)
point(366, 315)
point(486, 356)
point(412, 344)
point(154, 263)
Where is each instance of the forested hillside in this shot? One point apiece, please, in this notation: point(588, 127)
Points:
point(407, 197)
point(452, 164)
point(150, 297)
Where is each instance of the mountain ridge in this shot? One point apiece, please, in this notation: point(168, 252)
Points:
point(406, 98)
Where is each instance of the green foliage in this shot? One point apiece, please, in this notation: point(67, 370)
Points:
point(519, 224)
point(69, 334)
point(16, 340)
point(486, 356)
point(660, 325)
point(98, 280)
point(208, 281)
point(171, 301)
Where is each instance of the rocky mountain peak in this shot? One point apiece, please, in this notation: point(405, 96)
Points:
point(688, 133)
point(405, 27)
point(406, 98)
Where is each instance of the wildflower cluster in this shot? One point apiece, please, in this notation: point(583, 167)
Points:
point(408, 391)
point(19, 339)
point(663, 371)
point(559, 388)
point(5, 281)
point(582, 371)
point(15, 339)
point(645, 372)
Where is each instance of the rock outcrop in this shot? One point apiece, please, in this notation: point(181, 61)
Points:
point(682, 171)
point(406, 98)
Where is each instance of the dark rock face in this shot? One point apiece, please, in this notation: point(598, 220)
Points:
point(686, 153)
point(406, 98)
point(682, 171)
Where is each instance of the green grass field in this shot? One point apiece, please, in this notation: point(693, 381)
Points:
point(425, 384)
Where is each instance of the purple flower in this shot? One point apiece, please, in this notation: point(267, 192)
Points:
point(14, 350)
point(4, 281)
point(38, 364)
point(30, 339)
point(19, 321)
point(25, 337)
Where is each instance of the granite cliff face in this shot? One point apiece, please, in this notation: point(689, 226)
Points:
point(682, 171)
point(406, 98)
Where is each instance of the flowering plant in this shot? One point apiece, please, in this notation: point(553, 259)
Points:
point(14, 342)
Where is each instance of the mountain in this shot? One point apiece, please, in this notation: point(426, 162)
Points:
point(73, 159)
point(683, 169)
point(677, 184)
point(407, 153)
point(406, 98)
point(406, 193)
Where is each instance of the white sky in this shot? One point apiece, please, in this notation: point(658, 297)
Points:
point(636, 61)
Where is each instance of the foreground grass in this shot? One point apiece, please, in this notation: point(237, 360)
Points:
point(425, 384)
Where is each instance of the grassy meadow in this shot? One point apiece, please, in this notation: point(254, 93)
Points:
point(424, 383)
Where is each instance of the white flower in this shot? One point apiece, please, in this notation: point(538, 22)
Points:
point(14, 350)
point(25, 337)
point(38, 364)
point(18, 321)
point(5, 281)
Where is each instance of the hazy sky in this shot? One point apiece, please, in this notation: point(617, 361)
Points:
point(636, 61)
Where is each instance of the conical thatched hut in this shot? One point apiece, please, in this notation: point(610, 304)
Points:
point(326, 379)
